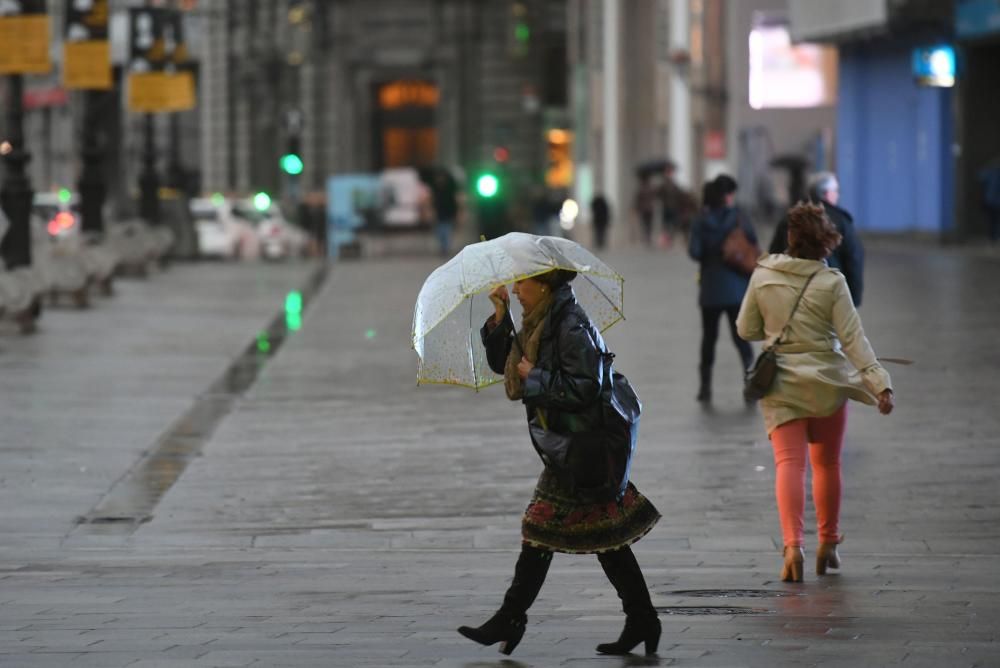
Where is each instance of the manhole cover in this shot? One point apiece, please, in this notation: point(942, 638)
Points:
point(702, 610)
point(733, 593)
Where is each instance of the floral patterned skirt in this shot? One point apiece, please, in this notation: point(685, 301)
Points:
point(559, 521)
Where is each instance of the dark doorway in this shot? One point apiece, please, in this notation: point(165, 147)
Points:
point(404, 131)
point(980, 134)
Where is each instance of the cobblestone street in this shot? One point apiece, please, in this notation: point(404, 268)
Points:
point(336, 514)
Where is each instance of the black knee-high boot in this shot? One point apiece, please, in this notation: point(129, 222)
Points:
point(507, 625)
point(641, 623)
point(705, 386)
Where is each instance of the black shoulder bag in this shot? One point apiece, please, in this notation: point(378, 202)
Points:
point(595, 463)
point(760, 377)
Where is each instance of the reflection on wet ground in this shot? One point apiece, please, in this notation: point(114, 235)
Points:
point(131, 500)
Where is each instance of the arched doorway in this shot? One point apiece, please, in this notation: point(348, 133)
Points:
point(405, 134)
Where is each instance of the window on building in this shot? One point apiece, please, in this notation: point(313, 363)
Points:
point(786, 75)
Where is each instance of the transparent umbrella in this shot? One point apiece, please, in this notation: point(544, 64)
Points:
point(453, 302)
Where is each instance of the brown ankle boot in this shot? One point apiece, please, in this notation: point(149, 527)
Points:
point(791, 570)
point(827, 557)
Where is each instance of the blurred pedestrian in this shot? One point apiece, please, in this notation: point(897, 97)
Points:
point(806, 407)
point(678, 206)
point(312, 217)
point(645, 201)
point(544, 211)
point(721, 287)
point(554, 366)
point(849, 257)
point(600, 216)
point(444, 197)
point(989, 177)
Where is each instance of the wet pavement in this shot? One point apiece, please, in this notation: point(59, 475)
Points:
point(335, 514)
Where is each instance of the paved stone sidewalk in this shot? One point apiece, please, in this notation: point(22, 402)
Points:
point(343, 516)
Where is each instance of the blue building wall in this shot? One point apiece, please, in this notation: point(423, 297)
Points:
point(893, 142)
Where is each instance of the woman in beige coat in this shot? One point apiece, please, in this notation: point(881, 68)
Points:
point(806, 408)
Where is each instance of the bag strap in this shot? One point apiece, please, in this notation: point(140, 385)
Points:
point(732, 217)
point(794, 308)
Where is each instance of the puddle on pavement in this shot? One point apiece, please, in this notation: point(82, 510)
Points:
point(704, 610)
point(131, 500)
point(733, 593)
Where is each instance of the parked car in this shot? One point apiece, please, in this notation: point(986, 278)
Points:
point(62, 219)
point(277, 238)
point(222, 233)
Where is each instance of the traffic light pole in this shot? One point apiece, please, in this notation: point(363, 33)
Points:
point(175, 170)
point(149, 182)
point(16, 193)
point(92, 186)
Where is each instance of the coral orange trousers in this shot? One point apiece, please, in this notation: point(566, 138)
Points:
point(822, 438)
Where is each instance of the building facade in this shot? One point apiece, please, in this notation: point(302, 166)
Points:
point(895, 147)
point(373, 85)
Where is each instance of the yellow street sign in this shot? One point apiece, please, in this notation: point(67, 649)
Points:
point(148, 92)
point(182, 94)
point(24, 44)
point(156, 92)
point(87, 65)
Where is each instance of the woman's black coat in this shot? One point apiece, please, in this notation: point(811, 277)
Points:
point(569, 373)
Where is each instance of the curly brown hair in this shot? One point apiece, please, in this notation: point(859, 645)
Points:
point(811, 234)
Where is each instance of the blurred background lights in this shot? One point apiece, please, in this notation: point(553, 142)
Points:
point(293, 302)
point(263, 343)
point(568, 214)
point(262, 201)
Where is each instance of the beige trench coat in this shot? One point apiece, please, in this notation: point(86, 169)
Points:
point(823, 341)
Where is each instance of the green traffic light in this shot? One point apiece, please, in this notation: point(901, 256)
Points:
point(262, 201)
point(522, 32)
point(487, 185)
point(291, 164)
point(65, 195)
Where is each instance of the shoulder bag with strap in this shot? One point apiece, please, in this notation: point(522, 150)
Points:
point(738, 252)
point(760, 377)
point(595, 463)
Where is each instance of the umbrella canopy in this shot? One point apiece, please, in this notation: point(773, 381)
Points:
point(453, 302)
point(651, 167)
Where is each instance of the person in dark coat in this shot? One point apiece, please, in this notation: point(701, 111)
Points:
point(600, 215)
point(678, 206)
point(444, 195)
point(644, 203)
point(989, 178)
point(849, 257)
point(721, 287)
point(554, 366)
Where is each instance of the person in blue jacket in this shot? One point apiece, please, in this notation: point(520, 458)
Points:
point(849, 256)
point(721, 287)
point(989, 178)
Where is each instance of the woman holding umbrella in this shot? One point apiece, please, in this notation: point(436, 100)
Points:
point(554, 366)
